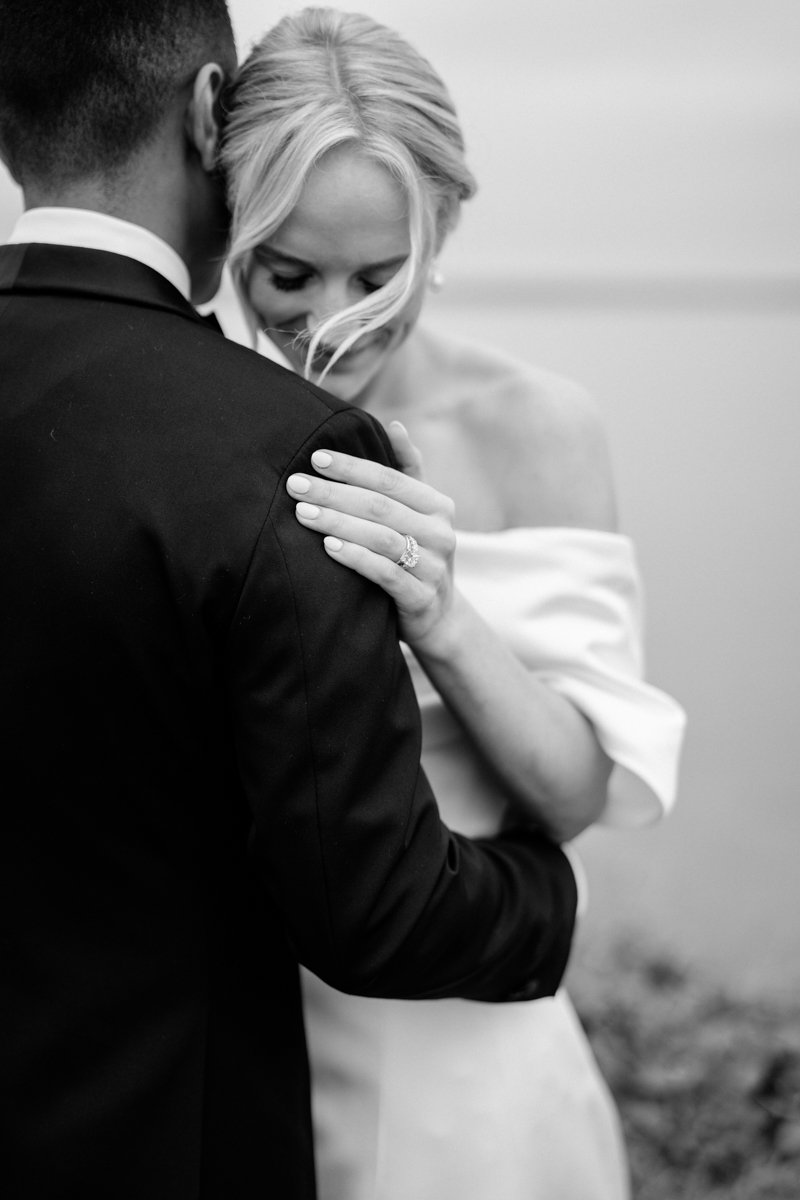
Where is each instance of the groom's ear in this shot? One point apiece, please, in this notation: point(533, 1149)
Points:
point(203, 123)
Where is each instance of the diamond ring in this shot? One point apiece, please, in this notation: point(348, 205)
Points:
point(410, 556)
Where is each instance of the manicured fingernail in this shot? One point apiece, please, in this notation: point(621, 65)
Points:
point(399, 425)
point(332, 543)
point(309, 511)
point(299, 483)
point(321, 458)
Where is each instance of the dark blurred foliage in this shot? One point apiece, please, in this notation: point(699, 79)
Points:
point(708, 1084)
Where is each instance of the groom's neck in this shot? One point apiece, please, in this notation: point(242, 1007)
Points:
point(116, 198)
point(160, 190)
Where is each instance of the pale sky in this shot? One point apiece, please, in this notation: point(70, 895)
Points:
point(614, 135)
point(609, 135)
point(546, 32)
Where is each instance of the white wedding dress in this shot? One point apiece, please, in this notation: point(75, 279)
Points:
point(459, 1100)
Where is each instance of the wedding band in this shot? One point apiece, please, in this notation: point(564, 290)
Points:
point(410, 556)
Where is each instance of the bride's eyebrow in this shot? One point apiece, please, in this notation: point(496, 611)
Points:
point(397, 261)
point(270, 251)
point(266, 250)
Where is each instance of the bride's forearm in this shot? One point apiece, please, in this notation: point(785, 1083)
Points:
point(541, 747)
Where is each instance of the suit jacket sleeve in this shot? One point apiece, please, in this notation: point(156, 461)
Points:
point(378, 896)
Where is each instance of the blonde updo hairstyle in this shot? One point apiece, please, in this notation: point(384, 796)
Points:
point(320, 79)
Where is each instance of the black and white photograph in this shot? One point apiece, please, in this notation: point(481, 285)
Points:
point(399, 600)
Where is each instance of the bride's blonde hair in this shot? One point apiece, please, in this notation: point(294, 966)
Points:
point(323, 78)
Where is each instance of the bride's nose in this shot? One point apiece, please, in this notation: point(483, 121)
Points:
point(328, 300)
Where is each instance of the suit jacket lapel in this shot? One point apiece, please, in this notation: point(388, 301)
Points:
point(10, 262)
point(33, 268)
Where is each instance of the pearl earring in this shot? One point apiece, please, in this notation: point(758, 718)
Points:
point(435, 278)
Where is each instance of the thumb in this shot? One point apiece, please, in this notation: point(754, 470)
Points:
point(408, 456)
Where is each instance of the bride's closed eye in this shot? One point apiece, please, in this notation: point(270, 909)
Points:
point(288, 283)
point(295, 283)
point(370, 286)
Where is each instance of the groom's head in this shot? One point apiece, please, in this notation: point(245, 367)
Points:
point(114, 105)
point(85, 83)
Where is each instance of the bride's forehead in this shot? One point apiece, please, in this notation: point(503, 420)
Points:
point(348, 195)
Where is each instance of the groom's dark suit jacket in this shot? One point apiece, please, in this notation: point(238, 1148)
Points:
point(210, 761)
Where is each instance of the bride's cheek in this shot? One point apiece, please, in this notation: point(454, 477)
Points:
point(270, 304)
point(254, 290)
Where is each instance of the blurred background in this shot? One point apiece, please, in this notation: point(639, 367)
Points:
point(638, 228)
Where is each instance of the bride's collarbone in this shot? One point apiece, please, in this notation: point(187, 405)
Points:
point(482, 480)
point(479, 443)
point(454, 465)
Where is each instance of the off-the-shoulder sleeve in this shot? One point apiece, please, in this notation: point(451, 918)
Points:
point(569, 603)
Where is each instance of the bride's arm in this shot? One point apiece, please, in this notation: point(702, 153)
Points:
point(541, 747)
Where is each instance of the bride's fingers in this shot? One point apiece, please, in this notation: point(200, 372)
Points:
point(434, 531)
point(400, 584)
point(409, 458)
point(355, 502)
point(378, 539)
point(375, 477)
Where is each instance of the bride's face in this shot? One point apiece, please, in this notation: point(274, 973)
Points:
point(346, 238)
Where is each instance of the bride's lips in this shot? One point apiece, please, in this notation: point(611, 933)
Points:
point(349, 358)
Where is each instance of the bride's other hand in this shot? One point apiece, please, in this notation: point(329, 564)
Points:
point(366, 511)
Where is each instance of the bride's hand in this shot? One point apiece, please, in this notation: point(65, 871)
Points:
point(367, 510)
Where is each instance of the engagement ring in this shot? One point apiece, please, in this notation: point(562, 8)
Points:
point(410, 556)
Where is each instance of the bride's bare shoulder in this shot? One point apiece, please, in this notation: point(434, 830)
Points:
point(538, 435)
point(484, 383)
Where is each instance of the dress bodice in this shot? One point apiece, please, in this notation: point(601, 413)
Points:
point(568, 603)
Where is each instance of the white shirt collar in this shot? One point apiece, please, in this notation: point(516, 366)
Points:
point(97, 231)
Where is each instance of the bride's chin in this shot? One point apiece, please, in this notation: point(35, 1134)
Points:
point(347, 380)
point(347, 386)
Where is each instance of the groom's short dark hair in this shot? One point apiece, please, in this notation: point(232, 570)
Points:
point(83, 83)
